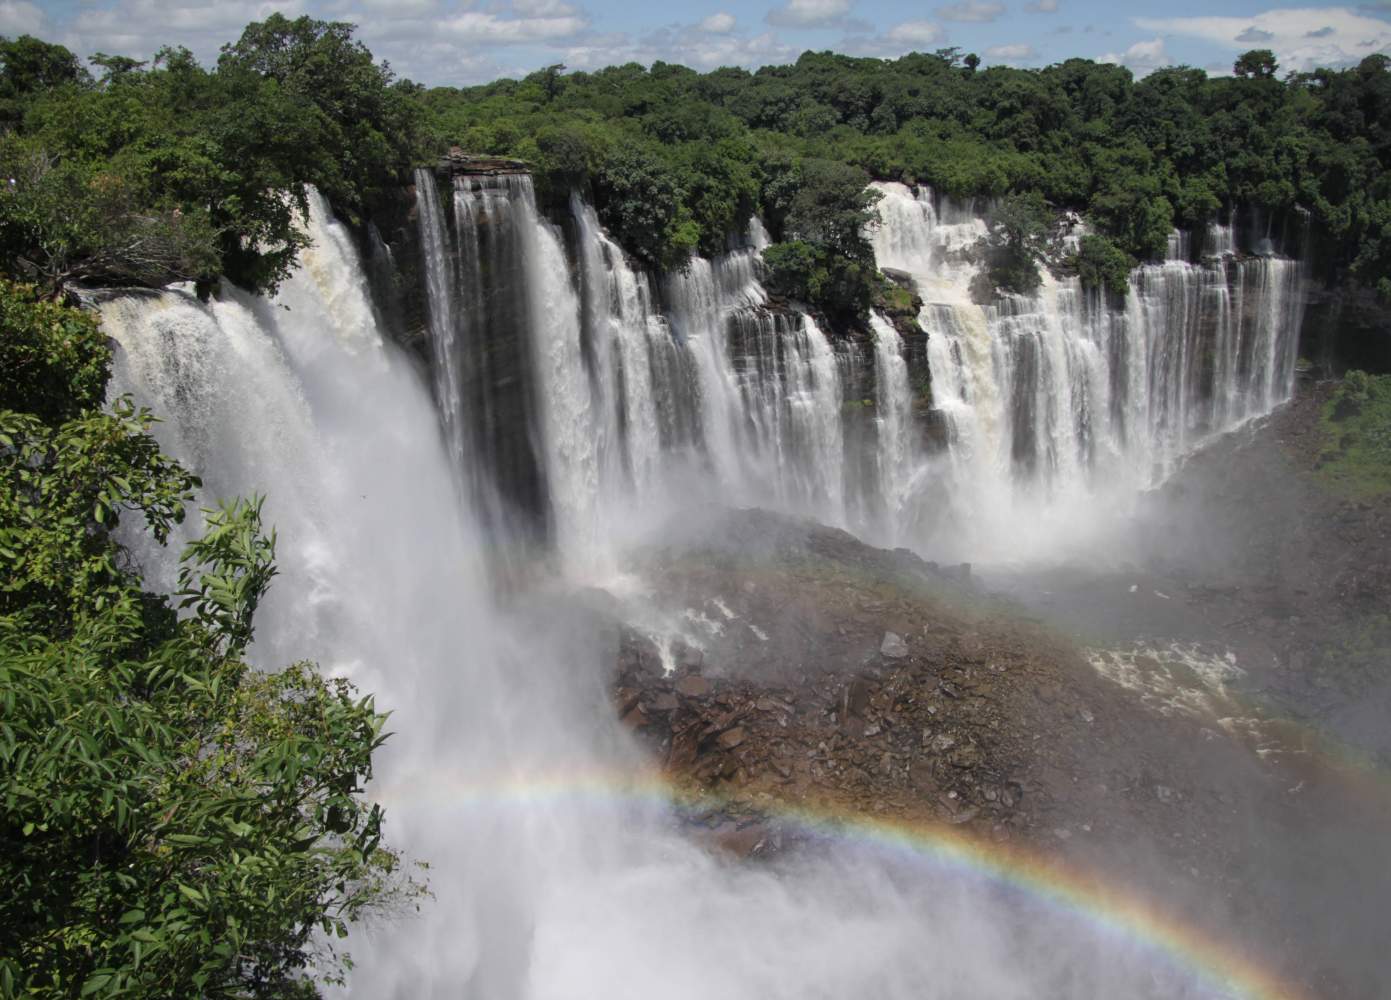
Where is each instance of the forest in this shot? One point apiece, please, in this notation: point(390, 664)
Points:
point(126, 172)
point(177, 823)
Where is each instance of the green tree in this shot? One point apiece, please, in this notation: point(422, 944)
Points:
point(1257, 64)
point(173, 822)
point(1018, 237)
point(1099, 263)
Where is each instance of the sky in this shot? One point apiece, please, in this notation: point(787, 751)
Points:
point(460, 42)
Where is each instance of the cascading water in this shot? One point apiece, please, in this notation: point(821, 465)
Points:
point(769, 390)
point(629, 406)
point(504, 771)
point(1061, 409)
point(895, 459)
point(480, 315)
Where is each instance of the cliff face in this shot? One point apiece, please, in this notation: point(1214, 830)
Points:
point(1347, 328)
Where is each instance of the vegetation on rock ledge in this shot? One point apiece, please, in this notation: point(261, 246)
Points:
point(1357, 424)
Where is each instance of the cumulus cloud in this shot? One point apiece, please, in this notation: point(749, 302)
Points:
point(718, 24)
point(1254, 35)
point(914, 33)
point(971, 10)
point(138, 28)
point(1042, 6)
point(479, 28)
point(19, 17)
point(689, 45)
point(808, 13)
point(532, 8)
point(1019, 52)
point(1301, 38)
point(1142, 57)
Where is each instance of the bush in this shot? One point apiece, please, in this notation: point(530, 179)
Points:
point(1099, 263)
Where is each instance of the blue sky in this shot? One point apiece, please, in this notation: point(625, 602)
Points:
point(470, 41)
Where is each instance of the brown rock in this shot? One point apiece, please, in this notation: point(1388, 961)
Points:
point(693, 686)
point(731, 738)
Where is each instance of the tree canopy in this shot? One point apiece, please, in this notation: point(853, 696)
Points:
point(132, 172)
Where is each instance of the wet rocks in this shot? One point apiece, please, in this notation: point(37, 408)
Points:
point(693, 686)
point(893, 647)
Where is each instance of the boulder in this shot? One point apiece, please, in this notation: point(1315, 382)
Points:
point(894, 646)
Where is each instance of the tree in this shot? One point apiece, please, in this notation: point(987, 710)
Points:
point(29, 65)
point(1016, 240)
point(1099, 263)
point(363, 128)
point(826, 259)
point(172, 822)
point(1257, 64)
point(64, 221)
point(640, 203)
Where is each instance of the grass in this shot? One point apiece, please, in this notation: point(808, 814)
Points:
point(1356, 457)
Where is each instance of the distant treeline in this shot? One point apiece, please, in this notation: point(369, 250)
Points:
point(676, 160)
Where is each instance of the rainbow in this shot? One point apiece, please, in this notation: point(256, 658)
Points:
point(1113, 911)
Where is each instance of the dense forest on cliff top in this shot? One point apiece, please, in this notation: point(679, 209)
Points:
point(139, 173)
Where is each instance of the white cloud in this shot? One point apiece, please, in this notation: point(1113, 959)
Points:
point(718, 24)
point(543, 8)
point(138, 28)
point(687, 45)
point(1301, 38)
point(1043, 6)
point(478, 28)
point(1019, 52)
point(1142, 57)
point(1254, 34)
point(971, 10)
point(914, 33)
point(808, 13)
point(18, 17)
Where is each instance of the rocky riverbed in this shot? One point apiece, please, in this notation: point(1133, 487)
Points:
point(1115, 721)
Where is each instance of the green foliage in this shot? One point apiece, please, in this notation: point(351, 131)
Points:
point(62, 493)
point(1017, 239)
point(170, 171)
point(1137, 158)
point(826, 260)
point(29, 66)
point(172, 822)
point(1356, 459)
point(68, 220)
point(54, 361)
point(796, 269)
point(1099, 263)
point(640, 204)
point(1258, 63)
point(208, 167)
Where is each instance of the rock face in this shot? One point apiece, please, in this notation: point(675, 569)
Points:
point(853, 679)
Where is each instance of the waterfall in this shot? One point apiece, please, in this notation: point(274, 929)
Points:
point(575, 397)
point(545, 884)
point(894, 406)
point(480, 315)
point(769, 388)
point(626, 332)
point(1061, 409)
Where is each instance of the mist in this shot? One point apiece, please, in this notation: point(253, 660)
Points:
point(477, 556)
